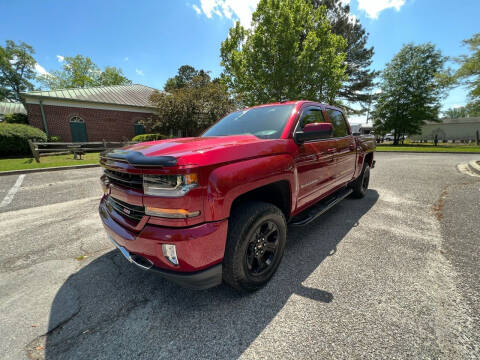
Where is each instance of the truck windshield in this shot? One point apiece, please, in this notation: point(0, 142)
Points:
point(264, 122)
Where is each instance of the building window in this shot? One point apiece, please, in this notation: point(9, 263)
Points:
point(76, 119)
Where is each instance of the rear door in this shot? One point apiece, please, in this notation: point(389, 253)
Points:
point(345, 156)
point(314, 160)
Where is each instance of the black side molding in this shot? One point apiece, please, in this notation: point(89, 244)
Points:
point(137, 158)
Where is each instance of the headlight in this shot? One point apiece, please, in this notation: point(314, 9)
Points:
point(169, 185)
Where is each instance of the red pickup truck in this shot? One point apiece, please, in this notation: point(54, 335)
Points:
point(216, 207)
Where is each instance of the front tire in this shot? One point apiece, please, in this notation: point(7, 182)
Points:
point(360, 186)
point(257, 234)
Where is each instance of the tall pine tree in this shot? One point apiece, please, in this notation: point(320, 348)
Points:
point(357, 89)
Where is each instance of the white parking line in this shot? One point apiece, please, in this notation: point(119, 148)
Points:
point(11, 193)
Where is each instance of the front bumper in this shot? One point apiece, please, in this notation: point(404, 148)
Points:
point(200, 249)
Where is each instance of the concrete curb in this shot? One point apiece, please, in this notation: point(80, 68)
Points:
point(429, 152)
point(57, 168)
point(474, 166)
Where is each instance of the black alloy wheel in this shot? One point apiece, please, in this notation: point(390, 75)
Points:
point(262, 248)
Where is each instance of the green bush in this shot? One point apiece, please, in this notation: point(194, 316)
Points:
point(149, 137)
point(16, 118)
point(14, 138)
point(54, 138)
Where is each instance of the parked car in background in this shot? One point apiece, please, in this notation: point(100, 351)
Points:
point(215, 208)
point(391, 137)
point(388, 137)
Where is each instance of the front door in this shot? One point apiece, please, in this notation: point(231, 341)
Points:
point(139, 129)
point(346, 154)
point(78, 129)
point(314, 161)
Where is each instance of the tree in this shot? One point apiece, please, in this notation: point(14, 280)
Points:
point(470, 110)
point(411, 88)
point(185, 77)
point(455, 113)
point(112, 75)
point(469, 70)
point(80, 71)
point(357, 89)
point(17, 70)
point(193, 107)
point(290, 53)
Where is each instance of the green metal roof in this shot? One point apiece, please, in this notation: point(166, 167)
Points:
point(133, 95)
point(11, 108)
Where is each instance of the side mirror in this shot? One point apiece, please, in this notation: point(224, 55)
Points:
point(314, 131)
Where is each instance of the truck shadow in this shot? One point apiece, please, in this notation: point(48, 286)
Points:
point(111, 309)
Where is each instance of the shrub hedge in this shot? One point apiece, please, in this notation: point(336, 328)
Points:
point(149, 137)
point(54, 138)
point(16, 118)
point(14, 138)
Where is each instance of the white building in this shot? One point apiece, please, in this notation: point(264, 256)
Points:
point(450, 129)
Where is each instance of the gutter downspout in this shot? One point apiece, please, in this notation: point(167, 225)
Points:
point(43, 117)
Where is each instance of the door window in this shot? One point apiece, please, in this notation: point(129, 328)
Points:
point(76, 119)
point(339, 124)
point(310, 116)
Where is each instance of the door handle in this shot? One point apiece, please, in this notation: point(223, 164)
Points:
point(332, 150)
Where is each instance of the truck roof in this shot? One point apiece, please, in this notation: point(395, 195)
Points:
point(296, 102)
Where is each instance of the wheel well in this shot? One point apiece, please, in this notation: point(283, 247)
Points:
point(277, 193)
point(369, 159)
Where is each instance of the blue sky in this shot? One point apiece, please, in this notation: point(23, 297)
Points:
point(150, 39)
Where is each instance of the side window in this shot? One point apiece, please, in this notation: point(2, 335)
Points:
point(310, 116)
point(339, 124)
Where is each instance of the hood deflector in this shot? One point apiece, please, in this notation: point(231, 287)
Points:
point(137, 158)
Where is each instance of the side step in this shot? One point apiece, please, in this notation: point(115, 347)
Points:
point(320, 208)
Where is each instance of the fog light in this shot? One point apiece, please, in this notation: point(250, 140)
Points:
point(170, 252)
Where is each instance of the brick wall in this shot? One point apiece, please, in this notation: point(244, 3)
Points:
point(110, 125)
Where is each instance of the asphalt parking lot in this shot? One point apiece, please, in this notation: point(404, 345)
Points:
point(394, 275)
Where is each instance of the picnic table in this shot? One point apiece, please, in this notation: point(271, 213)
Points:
point(77, 150)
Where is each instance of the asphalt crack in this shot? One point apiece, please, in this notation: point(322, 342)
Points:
point(35, 349)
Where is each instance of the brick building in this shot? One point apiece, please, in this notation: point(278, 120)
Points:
point(90, 114)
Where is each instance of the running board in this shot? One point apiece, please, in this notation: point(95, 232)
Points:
point(320, 208)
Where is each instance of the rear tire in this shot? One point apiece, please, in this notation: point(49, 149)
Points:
point(360, 186)
point(257, 234)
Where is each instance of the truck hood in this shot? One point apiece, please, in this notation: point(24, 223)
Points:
point(210, 150)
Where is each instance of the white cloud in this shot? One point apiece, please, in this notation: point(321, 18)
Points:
point(40, 69)
point(231, 9)
point(352, 18)
point(139, 72)
point(60, 58)
point(375, 7)
point(197, 9)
